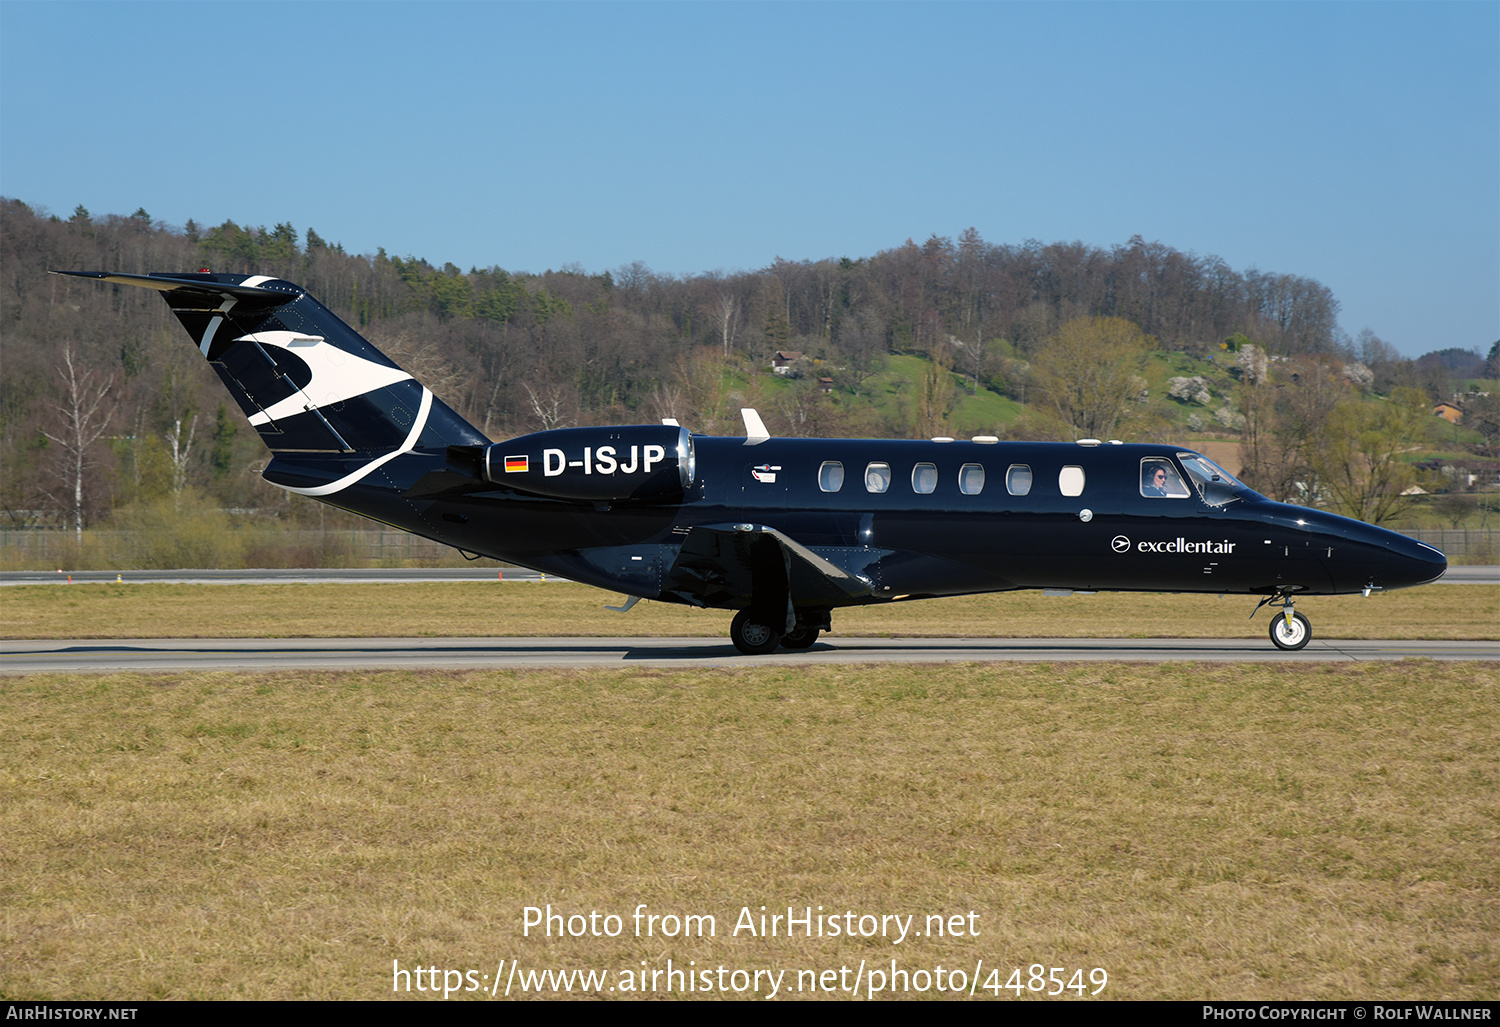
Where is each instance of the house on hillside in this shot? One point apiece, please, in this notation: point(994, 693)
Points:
point(1453, 413)
point(783, 360)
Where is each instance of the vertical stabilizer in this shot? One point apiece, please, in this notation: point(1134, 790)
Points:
point(315, 390)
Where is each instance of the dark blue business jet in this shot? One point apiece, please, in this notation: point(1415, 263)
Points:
point(782, 530)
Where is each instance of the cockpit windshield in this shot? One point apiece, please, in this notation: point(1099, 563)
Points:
point(1216, 485)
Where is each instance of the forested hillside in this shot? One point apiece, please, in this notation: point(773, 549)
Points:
point(105, 405)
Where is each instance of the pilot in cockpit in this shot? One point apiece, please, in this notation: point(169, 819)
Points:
point(1159, 479)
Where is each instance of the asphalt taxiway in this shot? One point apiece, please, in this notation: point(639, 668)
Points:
point(260, 655)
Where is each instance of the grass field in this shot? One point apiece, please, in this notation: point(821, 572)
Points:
point(1223, 831)
point(524, 609)
point(1324, 832)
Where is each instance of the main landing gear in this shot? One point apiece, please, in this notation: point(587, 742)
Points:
point(1289, 629)
point(752, 637)
point(800, 637)
point(756, 639)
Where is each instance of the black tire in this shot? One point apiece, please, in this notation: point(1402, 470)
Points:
point(1290, 637)
point(752, 638)
point(800, 637)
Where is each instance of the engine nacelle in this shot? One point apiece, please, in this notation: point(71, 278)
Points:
point(641, 462)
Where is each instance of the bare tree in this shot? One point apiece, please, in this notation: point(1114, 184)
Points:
point(409, 342)
point(180, 449)
point(726, 315)
point(548, 404)
point(667, 400)
point(1304, 311)
point(935, 393)
point(85, 411)
point(1268, 466)
point(861, 351)
point(975, 360)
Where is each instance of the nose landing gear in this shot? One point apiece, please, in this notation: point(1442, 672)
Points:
point(1289, 629)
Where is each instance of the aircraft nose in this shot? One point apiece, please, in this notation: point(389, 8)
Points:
point(1430, 561)
point(1361, 555)
point(1407, 562)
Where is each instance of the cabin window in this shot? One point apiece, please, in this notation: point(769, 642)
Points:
point(1070, 480)
point(971, 479)
point(924, 478)
point(1018, 479)
point(831, 476)
point(877, 477)
point(1160, 480)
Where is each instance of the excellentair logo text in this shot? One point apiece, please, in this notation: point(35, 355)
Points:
point(1182, 545)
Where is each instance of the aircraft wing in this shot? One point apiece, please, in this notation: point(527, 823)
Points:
point(740, 565)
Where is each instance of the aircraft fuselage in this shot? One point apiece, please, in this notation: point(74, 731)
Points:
point(1106, 536)
point(782, 530)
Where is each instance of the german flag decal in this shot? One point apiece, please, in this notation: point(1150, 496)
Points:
point(514, 464)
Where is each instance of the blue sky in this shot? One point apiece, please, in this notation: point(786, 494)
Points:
point(1354, 143)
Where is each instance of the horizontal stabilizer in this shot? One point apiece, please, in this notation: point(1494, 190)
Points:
point(197, 283)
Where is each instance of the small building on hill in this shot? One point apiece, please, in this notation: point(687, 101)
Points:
point(1453, 413)
point(783, 360)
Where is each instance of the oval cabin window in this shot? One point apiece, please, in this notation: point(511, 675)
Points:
point(1018, 480)
point(971, 479)
point(924, 478)
point(1070, 480)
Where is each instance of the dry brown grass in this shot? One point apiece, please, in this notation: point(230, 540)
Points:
point(523, 609)
point(1324, 831)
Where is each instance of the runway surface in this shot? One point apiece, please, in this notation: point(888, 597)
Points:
point(260, 655)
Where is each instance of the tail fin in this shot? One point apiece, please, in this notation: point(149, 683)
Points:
point(309, 384)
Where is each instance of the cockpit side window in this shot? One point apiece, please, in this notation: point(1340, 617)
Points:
point(1216, 485)
point(1160, 480)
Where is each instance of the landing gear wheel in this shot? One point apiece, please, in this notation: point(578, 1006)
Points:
point(800, 637)
point(1291, 636)
point(752, 638)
